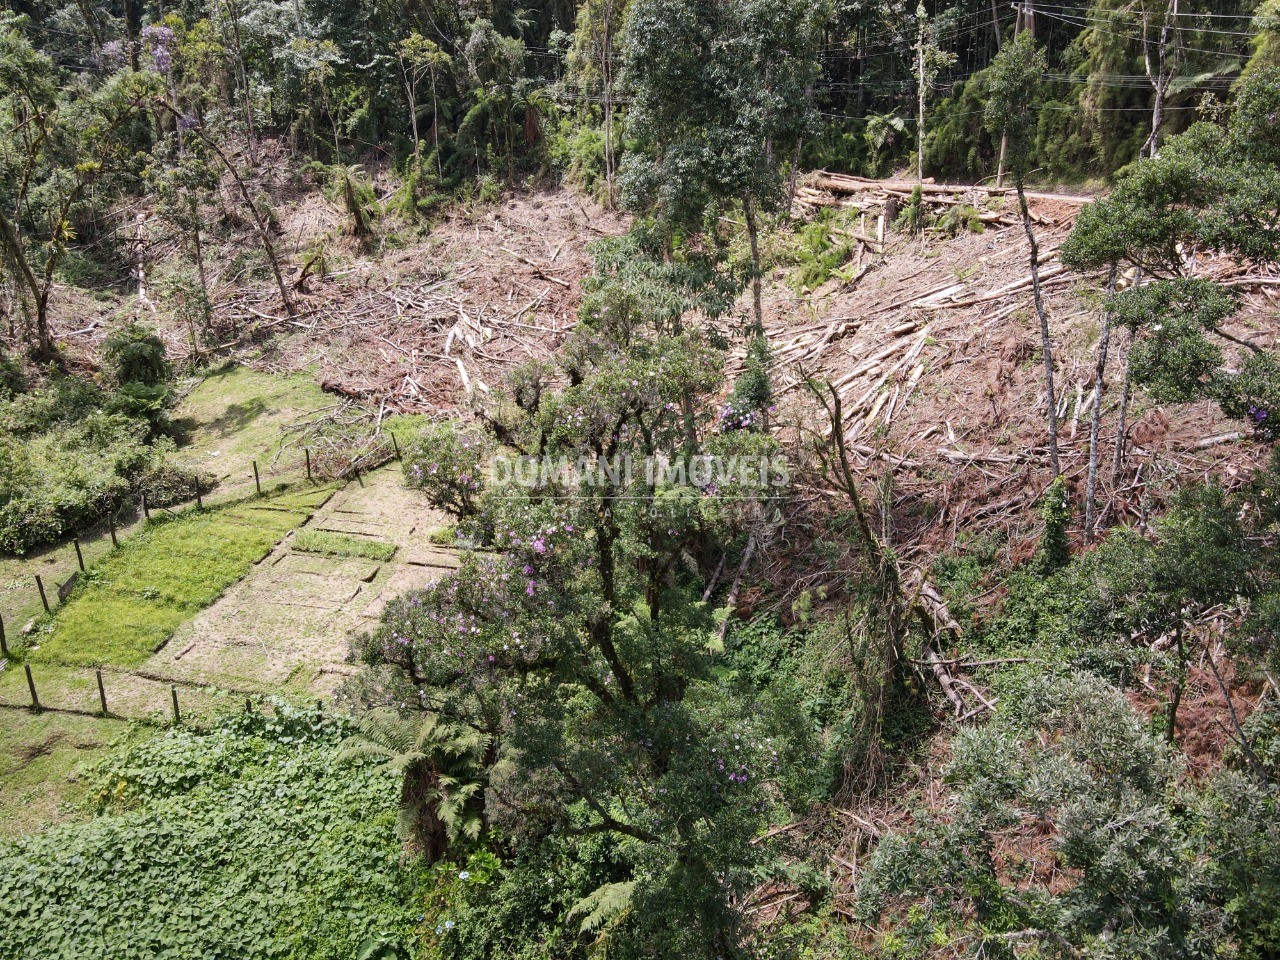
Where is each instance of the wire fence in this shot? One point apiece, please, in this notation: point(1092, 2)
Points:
point(104, 693)
point(120, 694)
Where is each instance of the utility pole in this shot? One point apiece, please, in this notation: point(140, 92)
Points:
point(920, 89)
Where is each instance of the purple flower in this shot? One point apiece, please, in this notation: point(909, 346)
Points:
point(114, 54)
point(159, 42)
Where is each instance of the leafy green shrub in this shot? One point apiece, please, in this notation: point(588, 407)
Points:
point(752, 395)
point(142, 402)
point(577, 149)
point(1240, 821)
point(63, 400)
point(422, 190)
point(65, 479)
point(484, 908)
point(350, 186)
point(1067, 780)
point(446, 462)
point(913, 214)
point(247, 841)
point(12, 381)
point(136, 355)
point(821, 249)
point(960, 218)
point(959, 575)
point(71, 452)
point(1055, 512)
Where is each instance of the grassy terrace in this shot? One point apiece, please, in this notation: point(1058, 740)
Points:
point(131, 602)
point(135, 597)
point(231, 418)
point(343, 545)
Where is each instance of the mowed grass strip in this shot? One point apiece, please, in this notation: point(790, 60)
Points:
point(330, 544)
point(132, 601)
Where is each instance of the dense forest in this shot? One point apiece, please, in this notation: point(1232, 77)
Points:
point(639, 479)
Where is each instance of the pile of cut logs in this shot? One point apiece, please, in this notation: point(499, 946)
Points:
point(883, 198)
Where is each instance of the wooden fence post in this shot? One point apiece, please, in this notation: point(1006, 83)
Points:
point(79, 555)
point(307, 451)
point(199, 500)
point(257, 482)
point(43, 597)
point(146, 512)
point(177, 717)
point(4, 644)
point(111, 523)
point(395, 445)
point(31, 685)
point(102, 693)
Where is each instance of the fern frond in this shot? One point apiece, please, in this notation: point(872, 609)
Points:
point(603, 904)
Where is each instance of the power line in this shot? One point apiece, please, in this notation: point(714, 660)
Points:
point(1077, 22)
point(1180, 13)
point(1120, 17)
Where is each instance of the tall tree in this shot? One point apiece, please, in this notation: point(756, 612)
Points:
point(1160, 60)
point(422, 58)
point(930, 59)
point(1013, 97)
point(718, 100)
point(1208, 190)
point(593, 71)
point(582, 645)
point(59, 153)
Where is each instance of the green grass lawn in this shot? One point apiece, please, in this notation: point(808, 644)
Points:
point(236, 415)
point(133, 600)
point(231, 418)
point(330, 544)
point(40, 754)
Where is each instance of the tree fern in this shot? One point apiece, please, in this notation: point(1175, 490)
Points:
point(441, 766)
point(603, 906)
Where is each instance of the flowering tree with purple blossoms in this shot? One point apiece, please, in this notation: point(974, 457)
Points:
point(580, 645)
point(448, 463)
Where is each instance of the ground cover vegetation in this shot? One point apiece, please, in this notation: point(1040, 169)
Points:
point(595, 731)
point(251, 838)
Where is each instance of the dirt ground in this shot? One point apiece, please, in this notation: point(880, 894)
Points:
point(936, 352)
